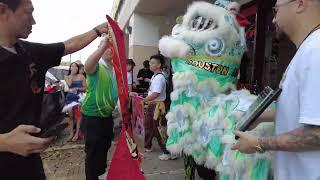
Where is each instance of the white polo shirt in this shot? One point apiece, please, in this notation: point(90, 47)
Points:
point(297, 106)
point(158, 85)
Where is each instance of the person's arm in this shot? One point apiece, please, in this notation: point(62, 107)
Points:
point(130, 87)
point(68, 80)
point(78, 42)
point(306, 138)
point(2, 143)
point(267, 116)
point(19, 141)
point(140, 76)
point(147, 80)
point(151, 97)
point(92, 61)
point(137, 82)
point(158, 84)
point(301, 139)
point(84, 84)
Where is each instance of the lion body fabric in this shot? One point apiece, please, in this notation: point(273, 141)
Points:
point(205, 52)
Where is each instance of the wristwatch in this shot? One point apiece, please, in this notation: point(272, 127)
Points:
point(97, 31)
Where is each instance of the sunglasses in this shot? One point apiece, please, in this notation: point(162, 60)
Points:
point(276, 7)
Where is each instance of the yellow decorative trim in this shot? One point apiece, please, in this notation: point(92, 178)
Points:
point(219, 58)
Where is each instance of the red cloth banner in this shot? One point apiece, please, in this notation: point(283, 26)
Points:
point(125, 164)
point(138, 116)
point(116, 37)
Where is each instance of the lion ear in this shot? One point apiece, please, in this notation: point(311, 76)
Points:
point(234, 7)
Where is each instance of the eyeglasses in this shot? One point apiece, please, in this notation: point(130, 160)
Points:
point(276, 7)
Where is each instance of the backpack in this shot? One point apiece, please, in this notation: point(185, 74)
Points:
point(169, 89)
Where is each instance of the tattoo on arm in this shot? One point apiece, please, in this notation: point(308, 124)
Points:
point(301, 139)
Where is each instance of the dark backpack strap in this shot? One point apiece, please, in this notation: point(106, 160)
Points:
point(158, 74)
point(155, 76)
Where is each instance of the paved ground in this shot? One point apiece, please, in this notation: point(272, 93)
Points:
point(154, 169)
point(66, 162)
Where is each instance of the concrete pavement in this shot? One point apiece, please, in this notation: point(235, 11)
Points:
point(67, 163)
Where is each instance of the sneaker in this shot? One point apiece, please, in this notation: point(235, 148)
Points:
point(103, 176)
point(147, 150)
point(173, 157)
point(165, 157)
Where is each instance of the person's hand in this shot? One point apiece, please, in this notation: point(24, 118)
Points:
point(103, 28)
point(104, 43)
point(247, 143)
point(133, 94)
point(140, 78)
point(19, 141)
point(147, 80)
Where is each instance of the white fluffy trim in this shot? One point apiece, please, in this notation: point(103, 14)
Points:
point(224, 30)
point(186, 111)
point(173, 48)
point(184, 82)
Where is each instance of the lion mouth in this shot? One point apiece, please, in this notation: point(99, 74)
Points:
point(200, 23)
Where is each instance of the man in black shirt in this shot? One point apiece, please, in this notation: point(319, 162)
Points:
point(22, 71)
point(144, 76)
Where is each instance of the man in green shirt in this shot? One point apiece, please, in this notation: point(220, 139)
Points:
point(97, 108)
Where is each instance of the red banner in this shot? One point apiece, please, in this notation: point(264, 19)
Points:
point(125, 164)
point(116, 37)
point(138, 116)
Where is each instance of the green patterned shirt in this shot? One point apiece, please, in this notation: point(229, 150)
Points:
point(102, 94)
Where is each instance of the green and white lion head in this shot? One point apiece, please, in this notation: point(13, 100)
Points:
point(206, 30)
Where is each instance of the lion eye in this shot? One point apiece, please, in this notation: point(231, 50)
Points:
point(215, 47)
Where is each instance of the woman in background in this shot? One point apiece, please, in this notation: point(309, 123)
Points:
point(81, 70)
point(77, 85)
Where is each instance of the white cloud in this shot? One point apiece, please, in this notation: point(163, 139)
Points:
point(59, 20)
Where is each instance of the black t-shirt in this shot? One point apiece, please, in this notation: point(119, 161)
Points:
point(144, 73)
point(22, 78)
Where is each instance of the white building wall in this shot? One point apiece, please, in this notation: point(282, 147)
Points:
point(145, 30)
point(126, 11)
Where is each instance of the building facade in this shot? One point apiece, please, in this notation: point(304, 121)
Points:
point(146, 21)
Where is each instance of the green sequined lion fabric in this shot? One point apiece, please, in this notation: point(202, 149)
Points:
point(205, 49)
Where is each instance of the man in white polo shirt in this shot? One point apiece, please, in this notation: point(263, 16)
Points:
point(297, 140)
point(155, 100)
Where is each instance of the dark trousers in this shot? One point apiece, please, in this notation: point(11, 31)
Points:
point(190, 166)
point(16, 167)
point(98, 134)
point(151, 129)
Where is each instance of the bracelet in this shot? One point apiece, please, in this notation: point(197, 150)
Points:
point(260, 149)
point(97, 32)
